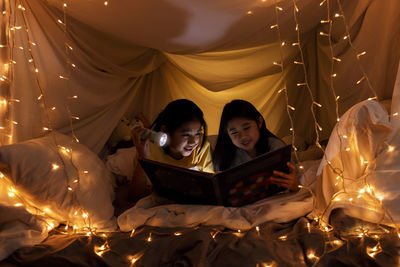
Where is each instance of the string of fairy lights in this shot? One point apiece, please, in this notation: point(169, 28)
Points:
point(6, 76)
point(18, 22)
point(367, 189)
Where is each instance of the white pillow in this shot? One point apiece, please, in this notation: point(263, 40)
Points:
point(33, 171)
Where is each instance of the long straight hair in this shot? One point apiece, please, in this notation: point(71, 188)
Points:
point(178, 112)
point(225, 150)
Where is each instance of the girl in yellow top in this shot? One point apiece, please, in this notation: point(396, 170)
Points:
point(187, 146)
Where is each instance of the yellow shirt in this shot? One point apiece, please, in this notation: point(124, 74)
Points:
point(200, 158)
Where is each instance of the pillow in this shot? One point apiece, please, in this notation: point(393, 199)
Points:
point(63, 179)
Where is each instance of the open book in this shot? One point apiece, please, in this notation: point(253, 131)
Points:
point(238, 186)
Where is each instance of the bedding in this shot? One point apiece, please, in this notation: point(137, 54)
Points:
point(57, 180)
point(363, 175)
point(295, 243)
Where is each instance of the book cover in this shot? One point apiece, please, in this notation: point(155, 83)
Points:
point(238, 186)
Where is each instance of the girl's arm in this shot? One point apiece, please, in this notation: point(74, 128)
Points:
point(287, 180)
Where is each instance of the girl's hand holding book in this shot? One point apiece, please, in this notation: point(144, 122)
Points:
point(287, 180)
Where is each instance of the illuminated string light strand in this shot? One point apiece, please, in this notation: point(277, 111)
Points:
point(69, 67)
point(282, 67)
point(306, 83)
point(6, 79)
point(358, 54)
point(46, 108)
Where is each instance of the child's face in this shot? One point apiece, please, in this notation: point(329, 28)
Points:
point(244, 134)
point(185, 139)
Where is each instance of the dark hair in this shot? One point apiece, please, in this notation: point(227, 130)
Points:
point(225, 150)
point(177, 113)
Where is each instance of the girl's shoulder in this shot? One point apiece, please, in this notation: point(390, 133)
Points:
point(275, 143)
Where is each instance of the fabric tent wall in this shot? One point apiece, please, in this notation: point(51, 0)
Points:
point(132, 57)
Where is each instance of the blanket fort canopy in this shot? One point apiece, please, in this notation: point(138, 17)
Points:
point(83, 64)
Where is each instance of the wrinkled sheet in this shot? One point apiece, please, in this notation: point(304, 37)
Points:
point(363, 174)
point(283, 207)
point(280, 208)
point(274, 244)
point(19, 228)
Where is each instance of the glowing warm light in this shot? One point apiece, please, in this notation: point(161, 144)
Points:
point(101, 250)
point(55, 166)
point(372, 251)
point(249, 12)
point(177, 233)
point(337, 242)
point(264, 264)
point(283, 237)
point(106, 3)
point(311, 255)
point(213, 235)
point(291, 107)
point(390, 148)
point(348, 149)
point(360, 80)
point(85, 215)
point(361, 54)
point(317, 104)
point(149, 239)
point(51, 226)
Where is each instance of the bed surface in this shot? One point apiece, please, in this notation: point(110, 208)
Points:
point(273, 244)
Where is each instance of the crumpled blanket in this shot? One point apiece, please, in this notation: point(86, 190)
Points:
point(156, 211)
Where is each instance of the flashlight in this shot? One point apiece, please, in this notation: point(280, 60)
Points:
point(158, 138)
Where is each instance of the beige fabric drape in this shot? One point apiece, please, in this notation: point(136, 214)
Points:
point(136, 56)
